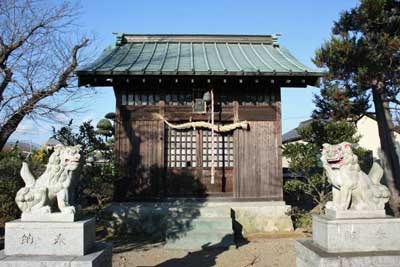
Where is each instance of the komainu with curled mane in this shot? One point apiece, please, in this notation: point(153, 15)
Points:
point(351, 187)
point(50, 190)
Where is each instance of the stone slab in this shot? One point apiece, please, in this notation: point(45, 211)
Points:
point(262, 216)
point(356, 235)
point(49, 238)
point(353, 214)
point(201, 225)
point(309, 255)
point(99, 256)
point(47, 217)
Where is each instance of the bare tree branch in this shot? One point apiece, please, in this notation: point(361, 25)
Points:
point(11, 125)
point(5, 82)
point(8, 49)
point(393, 100)
point(38, 56)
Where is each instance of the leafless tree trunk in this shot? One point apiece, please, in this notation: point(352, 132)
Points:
point(39, 52)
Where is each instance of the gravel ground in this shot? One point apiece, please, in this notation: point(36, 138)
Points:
point(271, 250)
point(276, 251)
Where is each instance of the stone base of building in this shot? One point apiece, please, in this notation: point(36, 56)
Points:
point(310, 255)
point(99, 256)
point(262, 216)
point(157, 218)
point(197, 223)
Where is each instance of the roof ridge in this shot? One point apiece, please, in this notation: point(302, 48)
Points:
point(123, 38)
point(193, 34)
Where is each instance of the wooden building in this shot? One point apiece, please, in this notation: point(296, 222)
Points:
point(160, 79)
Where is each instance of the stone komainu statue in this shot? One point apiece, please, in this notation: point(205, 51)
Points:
point(50, 190)
point(351, 187)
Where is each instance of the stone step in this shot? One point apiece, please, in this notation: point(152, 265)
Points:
point(196, 212)
point(200, 240)
point(197, 233)
point(201, 225)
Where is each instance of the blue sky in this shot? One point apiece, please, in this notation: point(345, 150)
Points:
point(304, 26)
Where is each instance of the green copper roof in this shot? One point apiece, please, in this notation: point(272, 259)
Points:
point(231, 55)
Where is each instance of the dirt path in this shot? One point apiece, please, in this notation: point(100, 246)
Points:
point(258, 252)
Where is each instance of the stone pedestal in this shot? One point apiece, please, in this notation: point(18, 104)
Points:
point(53, 244)
point(351, 214)
point(356, 235)
point(351, 242)
point(47, 217)
point(49, 238)
point(99, 256)
point(310, 255)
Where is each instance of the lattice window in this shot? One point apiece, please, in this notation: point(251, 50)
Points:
point(258, 97)
point(178, 99)
point(136, 99)
point(180, 148)
point(223, 149)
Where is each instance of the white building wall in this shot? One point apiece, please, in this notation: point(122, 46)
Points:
point(368, 129)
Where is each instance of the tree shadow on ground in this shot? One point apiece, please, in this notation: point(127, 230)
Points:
point(145, 225)
point(132, 242)
point(206, 257)
point(178, 222)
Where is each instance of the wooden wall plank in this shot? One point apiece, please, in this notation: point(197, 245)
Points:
point(197, 182)
point(257, 113)
point(258, 174)
point(146, 163)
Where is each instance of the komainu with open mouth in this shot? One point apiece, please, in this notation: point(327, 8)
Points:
point(51, 188)
point(351, 187)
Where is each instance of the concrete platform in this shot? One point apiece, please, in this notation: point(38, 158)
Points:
point(356, 235)
point(211, 229)
point(49, 238)
point(99, 256)
point(310, 255)
point(195, 241)
point(151, 217)
point(197, 223)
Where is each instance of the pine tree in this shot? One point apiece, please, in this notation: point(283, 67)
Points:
point(339, 102)
point(364, 52)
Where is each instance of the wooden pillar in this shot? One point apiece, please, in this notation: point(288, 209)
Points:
point(122, 148)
